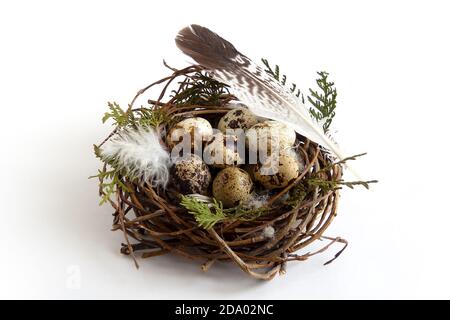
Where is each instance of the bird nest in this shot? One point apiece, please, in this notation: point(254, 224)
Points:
point(155, 223)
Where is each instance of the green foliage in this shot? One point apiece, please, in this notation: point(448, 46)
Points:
point(299, 192)
point(275, 73)
point(97, 151)
point(245, 214)
point(316, 179)
point(341, 162)
point(110, 181)
point(208, 214)
point(323, 101)
point(296, 195)
point(330, 185)
point(121, 118)
point(144, 117)
point(152, 118)
point(200, 89)
point(110, 178)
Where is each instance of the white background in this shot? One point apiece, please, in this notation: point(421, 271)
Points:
point(61, 61)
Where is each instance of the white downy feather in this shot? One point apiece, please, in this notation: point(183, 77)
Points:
point(140, 154)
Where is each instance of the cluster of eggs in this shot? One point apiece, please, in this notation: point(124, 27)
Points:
point(233, 184)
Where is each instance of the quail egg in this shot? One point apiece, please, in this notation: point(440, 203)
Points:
point(224, 151)
point(232, 186)
point(191, 175)
point(194, 127)
point(278, 170)
point(239, 118)
point(270, 135)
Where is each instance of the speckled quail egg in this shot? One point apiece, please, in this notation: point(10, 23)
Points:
point(224, 150)
point(191, 175)
point(232, 186)
point(239, 118)
point(190, 126)
point(278, 170)
point(270, 134)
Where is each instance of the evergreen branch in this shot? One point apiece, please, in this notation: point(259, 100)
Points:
point(152, 118)
point(110, 181)
point(121, 118)
point(324, 103)
point(316, 181)
point(331, 185)
point(299, 192)
point(275, 73)
point(341, 162)
point(200, 89)
point(296, 195)
point(351, 184)
point(244, 214)
point(207, 214)
point(144, 117)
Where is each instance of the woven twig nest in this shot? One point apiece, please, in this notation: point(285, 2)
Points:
point(154, 223)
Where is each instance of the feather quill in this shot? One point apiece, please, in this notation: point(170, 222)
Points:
point(139, 154)
point(264, 96)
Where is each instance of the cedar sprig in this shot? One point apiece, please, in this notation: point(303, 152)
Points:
point(323, 101)
point(282, 78)
point(143, 117)
point(199, 89)
point(207, 214)
point(331, 185)
point(316, 179)
point(110, 181)
point(153, 117)
point(121, 117)
point(341, 162)
point(297, 194)
point(300, 191)
point(110, 178)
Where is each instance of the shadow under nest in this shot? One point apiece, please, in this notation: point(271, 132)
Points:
point(154, 223)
